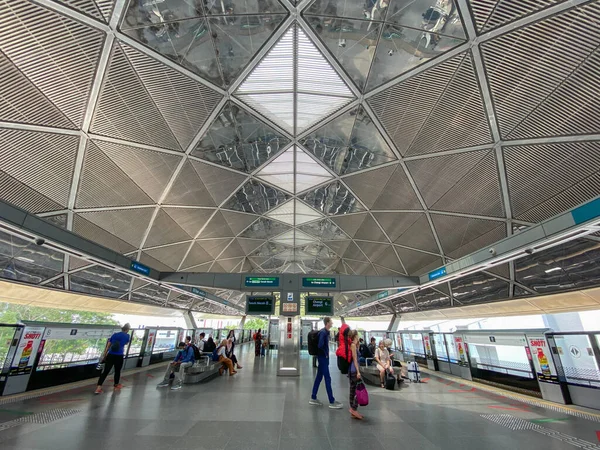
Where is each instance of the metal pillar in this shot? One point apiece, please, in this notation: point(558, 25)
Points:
point(394, 323)
point(190, 322)
point(242, 322)
point(288, 355)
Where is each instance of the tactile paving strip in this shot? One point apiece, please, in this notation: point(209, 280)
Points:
point(40, 418)
point(514, 423)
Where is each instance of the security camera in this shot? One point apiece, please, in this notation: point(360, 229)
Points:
point(492, 251)
point(40, 241)
point(529, 251)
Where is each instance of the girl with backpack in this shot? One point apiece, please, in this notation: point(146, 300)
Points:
point(354, 375)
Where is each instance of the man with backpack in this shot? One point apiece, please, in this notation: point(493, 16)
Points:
point(188, 343)
point(323, 368)
point(184, 359)
point(113, 357)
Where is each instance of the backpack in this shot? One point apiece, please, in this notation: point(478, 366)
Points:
point(215, 354)
point(196, 352)
point(313, 342)
point(364, 351)
point(343, 351)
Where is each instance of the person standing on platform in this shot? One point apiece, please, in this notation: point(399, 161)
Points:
point(113, 356)
point(354, 375)
point(323, 368)
point(257, 342)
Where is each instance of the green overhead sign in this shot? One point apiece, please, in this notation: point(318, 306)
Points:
point(262, 282)
point(311, 282)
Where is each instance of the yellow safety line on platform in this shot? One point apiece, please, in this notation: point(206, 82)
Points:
point(516, 396)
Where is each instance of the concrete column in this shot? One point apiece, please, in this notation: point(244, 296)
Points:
point(242, 322)
point(190, 322)
point(394, 323)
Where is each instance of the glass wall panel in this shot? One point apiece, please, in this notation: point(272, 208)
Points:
point(6, 336)
point(166, 341)
point(61, 353)
point(137, 338)
point(413, 344)
point(453, 355)
point(440, 347)
point(578, 361)
point(507, 359)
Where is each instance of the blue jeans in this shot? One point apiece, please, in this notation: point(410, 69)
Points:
point(323, 371)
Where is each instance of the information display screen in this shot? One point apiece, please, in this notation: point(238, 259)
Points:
point(260, 304)
point(320, 306)
point(311, 282)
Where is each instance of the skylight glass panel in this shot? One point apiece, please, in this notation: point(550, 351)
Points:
point(284, 213)
point(279, 108)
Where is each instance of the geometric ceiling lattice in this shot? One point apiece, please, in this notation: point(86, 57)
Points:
point(375, 43)
point(332, 199)
point(294, 171)
point(349, 143)
point(490, 14)
point(294, 85)
point(214, 40)
point(536, 89)
point(434, 125)
point(98, 9)
point(256, 198)
point(238, 140)
point(294, 213)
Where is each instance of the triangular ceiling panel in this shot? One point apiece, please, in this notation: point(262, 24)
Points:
point(370, 184)
point(170, 255)
point(294, 213)
point(88, 230)
point(150, 170)
point(197, 255)
point(220, 183)
point(369, 230)
point(350, 223)
point(294, 70)
point(332, 199)
point(165, 231)
point(125, 109)
point(217, 227)
point(98, 9)
point(48, 38)
point(238, 221)
point(415, 261)
point(460, 236)
point(256, 198)
point(43, 161)
point(104, 183)
point(494, 13)
point(264, 228)
point(190, 219)
point(214, 247)
point(420, 113)
point(188, 189)
point(464, 183)
point(234, 250)
point(249, 245)
point(126, 224)
point(409, 229)
point(238, 140)
point(349, 143)
point(229, 265)
point(354, 252)
point(324, 230)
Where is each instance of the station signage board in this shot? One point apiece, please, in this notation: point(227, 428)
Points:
point(260, 304)
point(139, 268)
point(312, 282)
point(199, 292)
point(438, 273)
point(383, 294)
point(262, 282)
point(319, 306)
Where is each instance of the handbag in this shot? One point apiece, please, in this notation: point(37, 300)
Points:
point(362, 396)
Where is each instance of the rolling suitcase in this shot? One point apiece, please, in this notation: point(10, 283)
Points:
point(414, 373)
point(390, 381)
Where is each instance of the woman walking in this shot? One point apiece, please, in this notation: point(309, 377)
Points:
point(257, 342)
point(230, 347)
point(354, 375)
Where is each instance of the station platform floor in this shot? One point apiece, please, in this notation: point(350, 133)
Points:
point(255, 409)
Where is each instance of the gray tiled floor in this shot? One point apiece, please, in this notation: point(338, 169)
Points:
point(258, 410)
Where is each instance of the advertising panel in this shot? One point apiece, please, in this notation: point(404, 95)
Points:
point(542, 359)
point(27, 350)
point(460, 348)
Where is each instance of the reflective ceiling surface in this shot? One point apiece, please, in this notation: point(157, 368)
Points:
point(373, 137)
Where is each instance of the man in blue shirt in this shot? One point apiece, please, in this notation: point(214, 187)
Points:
point(184, 359)
point(113, 356)
point(323, 369)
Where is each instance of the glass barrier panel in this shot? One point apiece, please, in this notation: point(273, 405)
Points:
point(507, 359)
point(440, 347)
point(453, 355)
point(576, 355)
point(61, 353)
point(166, 341)
point(413, 344)
point(7, 334)
point(137, 338)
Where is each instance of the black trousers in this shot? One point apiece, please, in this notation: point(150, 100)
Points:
point(111, 361)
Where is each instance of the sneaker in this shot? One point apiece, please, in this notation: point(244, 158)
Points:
point(335, 405)
point(315, 402)
point(98, 390)
point(118, 386)
point(163, 384)
point(177, 387)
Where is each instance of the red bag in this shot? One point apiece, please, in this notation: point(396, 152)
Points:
point(362, 396)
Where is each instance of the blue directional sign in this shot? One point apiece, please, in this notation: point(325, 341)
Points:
point(437, 273)
point(199, 292)
point(586, 212)
point(139, 268)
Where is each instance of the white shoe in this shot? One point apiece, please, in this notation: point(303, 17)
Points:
point(315, 402)
point(176, 387)
point(163, 384)
point(335, 405)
